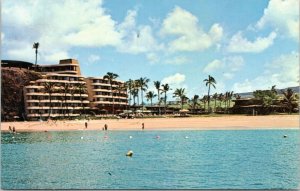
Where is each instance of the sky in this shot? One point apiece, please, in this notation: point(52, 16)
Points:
point(245, 45)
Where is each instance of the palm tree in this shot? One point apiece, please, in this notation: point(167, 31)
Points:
point(165, 89)
point(194, 101)
point(72, 92)
point(119, 89)
point(36, 47)
point(289, 97)
point(204, 100)
point(66, 89)
point(61, 99)
point(136, 87)
point(49, 88)
point(150, 95)
point(157, 86)
point(210, 81)
point(143, 86)
point(180, 94)
point(230, 94)
point(215, 97)
point(220, 98)
point(225, 98)
point(135, 94)
point(130, 85)
point(81, 88)
point(111, 77)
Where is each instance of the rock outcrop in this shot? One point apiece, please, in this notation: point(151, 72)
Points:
point(12, 82)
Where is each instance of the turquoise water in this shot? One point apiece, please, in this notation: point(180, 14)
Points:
point(245, 159)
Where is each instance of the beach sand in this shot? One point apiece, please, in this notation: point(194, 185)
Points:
point(228, 122)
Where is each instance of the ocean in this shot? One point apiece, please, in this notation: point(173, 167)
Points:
point(214, 159)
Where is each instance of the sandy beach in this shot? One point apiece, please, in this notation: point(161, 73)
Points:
point(192, 123)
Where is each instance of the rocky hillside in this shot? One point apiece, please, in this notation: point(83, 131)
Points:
point(12, 82)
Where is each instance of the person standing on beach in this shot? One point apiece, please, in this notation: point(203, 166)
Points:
point(86, 125)
point(10, 129)
point(105, 127)
point(14, 129)
point(143, 126)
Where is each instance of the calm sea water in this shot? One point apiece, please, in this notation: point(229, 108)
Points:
point(252, 159)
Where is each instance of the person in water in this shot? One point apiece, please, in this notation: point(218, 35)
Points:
point(14, 129)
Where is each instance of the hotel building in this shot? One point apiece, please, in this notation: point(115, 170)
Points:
point(63, 92)
point(102, 97)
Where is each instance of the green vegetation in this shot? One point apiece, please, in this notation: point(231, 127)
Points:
point(210, 81)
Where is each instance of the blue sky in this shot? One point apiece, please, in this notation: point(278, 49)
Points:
point(245, 45)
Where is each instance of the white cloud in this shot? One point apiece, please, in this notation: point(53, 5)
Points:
point(282, 72)
point(56, 56)
point(152, 58)
point(230, 64)
point(190, 37)
point(136, 39)
point(240, 44)
point(283, 15)
point(228, 75)
point(24, 52)
point(93, 58)
point(234, 63)
point(212, 66)
point(174, 79)
point(57, 25)
point(99, 33)
point(178, 60)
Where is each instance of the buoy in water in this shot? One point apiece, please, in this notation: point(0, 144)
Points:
point(130, 137)
point(186, 137)
point(129, 153)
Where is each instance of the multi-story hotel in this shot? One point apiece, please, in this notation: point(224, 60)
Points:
point(63, 92)
point(102, 97)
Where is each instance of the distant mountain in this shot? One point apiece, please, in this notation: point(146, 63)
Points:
point(250, 94)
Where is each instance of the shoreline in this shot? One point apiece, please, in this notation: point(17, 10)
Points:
point(228, 122)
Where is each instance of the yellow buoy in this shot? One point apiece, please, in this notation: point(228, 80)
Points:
point(129, 153)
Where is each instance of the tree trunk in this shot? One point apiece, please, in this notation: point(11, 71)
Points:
point(165, 103)
point(208, 98)
point(129, 97)
point(142, 100)
point(158, 96)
